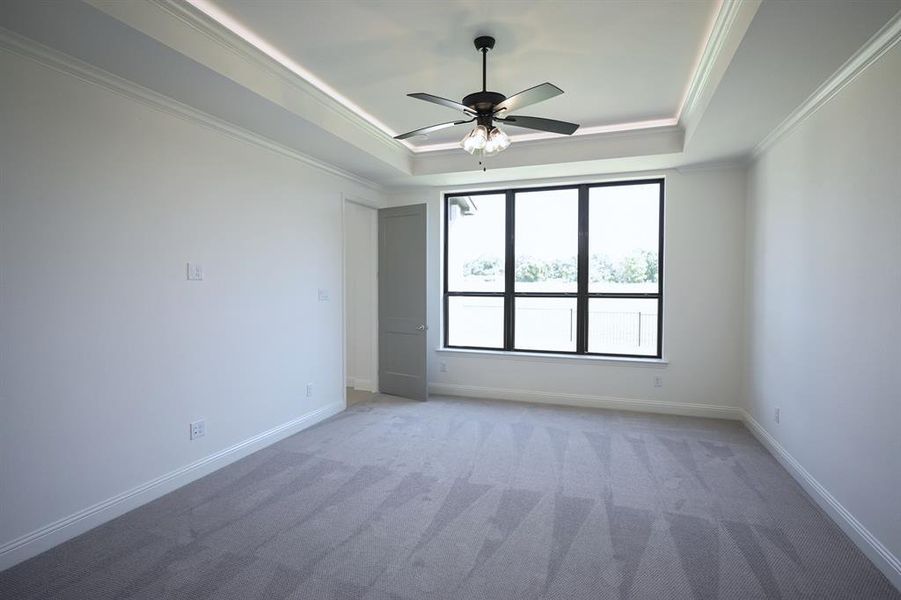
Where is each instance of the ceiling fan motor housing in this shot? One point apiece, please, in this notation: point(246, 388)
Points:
point(483, 102)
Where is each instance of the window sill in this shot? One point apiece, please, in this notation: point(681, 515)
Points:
point(558, 358)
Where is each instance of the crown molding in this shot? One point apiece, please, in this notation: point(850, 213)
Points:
point(21, 46)
point(867, 55)
point(725, 17)
point(728, 29)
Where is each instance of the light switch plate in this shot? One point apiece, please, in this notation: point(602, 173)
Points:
point(323, 295)
point(195, 272)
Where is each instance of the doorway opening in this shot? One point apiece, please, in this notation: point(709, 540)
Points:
point(360, 301)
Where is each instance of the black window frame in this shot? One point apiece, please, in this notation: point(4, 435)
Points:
point(582, 295)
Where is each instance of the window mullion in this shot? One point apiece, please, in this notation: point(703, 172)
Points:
point(660, 233)
point(582, 274)
point(446, 303)
point(509, 272)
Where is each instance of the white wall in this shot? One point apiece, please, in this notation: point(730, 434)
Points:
point(703, 308)
point(361, 264)
point(107, 352)
point(824, 308)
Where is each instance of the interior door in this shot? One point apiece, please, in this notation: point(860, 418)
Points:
point(402, 301)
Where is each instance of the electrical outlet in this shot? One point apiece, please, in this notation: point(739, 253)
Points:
point(658, 381)
point(443, 367)
point(309, 390)
point(195, 272)
point(198, 429)
point(323, 295)
point(777, 414)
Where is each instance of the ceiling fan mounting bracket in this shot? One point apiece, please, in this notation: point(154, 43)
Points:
point(484, 42)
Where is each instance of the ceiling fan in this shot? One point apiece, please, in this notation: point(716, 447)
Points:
point(487, 107)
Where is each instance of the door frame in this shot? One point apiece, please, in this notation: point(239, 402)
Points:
point(374, 288)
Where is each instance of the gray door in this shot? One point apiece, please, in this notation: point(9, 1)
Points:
point(402, 301)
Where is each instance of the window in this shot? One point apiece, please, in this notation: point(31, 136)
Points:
point(571, 269)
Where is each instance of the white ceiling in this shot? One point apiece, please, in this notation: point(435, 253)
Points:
point(761, 62)
point(617, 61)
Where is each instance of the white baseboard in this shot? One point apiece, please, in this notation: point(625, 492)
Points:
point(360, 384)
point(881, 556)
point(32, 544)
point(586, 401)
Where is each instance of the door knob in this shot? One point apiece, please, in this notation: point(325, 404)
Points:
point(421, 327)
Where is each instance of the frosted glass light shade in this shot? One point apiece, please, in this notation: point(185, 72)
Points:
point(475, 139)
point(497, 142)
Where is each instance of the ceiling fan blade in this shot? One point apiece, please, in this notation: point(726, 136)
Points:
point(430, 129)
point(533, 95)
point(540, 124)
point(442, 102)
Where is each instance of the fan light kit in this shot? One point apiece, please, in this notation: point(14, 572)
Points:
point(489, 142)
point(486, 138)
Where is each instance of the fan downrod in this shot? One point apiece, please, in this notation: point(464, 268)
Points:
point(483, 102)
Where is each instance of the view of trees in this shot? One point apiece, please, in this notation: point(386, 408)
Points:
point(482, 267)
point(529, 269)
point(639, 267)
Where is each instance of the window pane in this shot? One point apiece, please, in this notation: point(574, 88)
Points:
point(547, 240)
point(546, 324)
point(475, 321)
point(622, 326)
point(623, 238)
point(475, 243)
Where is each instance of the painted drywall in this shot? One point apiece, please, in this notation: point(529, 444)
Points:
point(824, 298)
point(703, 308)
point(107, 352)
point(360, 266)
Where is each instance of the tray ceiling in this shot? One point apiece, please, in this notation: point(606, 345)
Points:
point(618, 62)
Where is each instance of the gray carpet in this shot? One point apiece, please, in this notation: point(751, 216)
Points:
point(477, 500)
